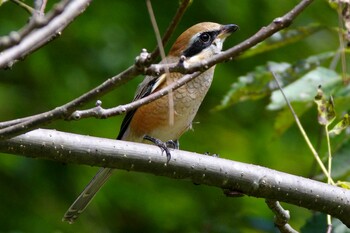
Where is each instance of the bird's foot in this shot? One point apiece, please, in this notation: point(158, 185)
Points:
point(164, 146)
point(173, 144)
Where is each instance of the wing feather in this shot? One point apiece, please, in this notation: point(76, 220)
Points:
point(147, 87)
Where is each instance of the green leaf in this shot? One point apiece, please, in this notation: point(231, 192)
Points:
point(325, 108)
point(341, 161)
point(343, 124)
point(342, 99)
point(260, 83)
point(282, 38)
point(339, 227)
point(284, 117)
point(303, 90)
point(317, 223)
point(343, 184)
point(252, 86)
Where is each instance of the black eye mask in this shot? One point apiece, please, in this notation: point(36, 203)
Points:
point(202, 41)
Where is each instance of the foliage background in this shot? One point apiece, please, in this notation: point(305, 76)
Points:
point(102, 42)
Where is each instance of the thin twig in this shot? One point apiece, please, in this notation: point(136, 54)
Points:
point(31, 122)
point(65, 110)
point(171, 28)
point(27, 8)
point(306, 138)
point(109, 85)
point(341, 41)
point(329, 228)
point(59, 18)
point(265, 32)
point(329, 180)
point(171, 111)
point(35, 23)
point(40, 6)
point(276, 25)
point(282, 216)
point(156, 29)
point(99, 112)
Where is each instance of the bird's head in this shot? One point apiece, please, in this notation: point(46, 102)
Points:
point(201, 41)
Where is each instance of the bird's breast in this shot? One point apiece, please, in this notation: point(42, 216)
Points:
point(154, 119)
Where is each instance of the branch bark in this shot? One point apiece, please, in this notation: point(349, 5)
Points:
point(282, 216)
point(38, 38)
point(249, 179)
point(16, 127)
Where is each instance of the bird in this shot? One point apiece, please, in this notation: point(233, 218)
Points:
point(152, 122)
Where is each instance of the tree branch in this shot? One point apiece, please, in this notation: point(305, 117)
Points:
point(100, 112)
point(18, 126)
point(276, 25)
point(13, 128)
point(249, 179)
point(38, 38)
point(281, 216)
point(173, 24)
point(37, 21)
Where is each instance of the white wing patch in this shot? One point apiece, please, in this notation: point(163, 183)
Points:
point(159, 82)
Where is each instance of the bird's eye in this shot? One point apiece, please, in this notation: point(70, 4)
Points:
point(205, 37)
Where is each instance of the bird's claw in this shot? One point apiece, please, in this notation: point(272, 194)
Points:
point(173, 144)
point(164, 146)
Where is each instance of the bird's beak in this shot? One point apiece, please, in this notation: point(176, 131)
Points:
point(227, 30)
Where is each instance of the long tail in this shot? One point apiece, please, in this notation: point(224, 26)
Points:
point(87, 194)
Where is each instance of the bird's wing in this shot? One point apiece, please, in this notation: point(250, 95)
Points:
point(145, 88)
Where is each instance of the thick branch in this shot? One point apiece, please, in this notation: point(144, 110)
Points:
point(37, 21)
point(201, 169)
point(41, 36)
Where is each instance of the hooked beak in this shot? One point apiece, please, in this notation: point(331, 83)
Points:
point(227, 30)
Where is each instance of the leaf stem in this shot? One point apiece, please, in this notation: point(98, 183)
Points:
point(303, 133)
point(329, 180)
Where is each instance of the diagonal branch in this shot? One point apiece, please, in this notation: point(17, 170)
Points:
point(37, 21)
point(38, 38)
point(65, 111)
point(261, 35)
point(276, 25)
point(18, 126)
point(99, 112)
point(249, 179)
point(173, 24)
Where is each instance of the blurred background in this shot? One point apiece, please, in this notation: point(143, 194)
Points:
point(102, 42)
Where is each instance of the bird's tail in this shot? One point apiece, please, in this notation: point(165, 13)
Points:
point(87, 194)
